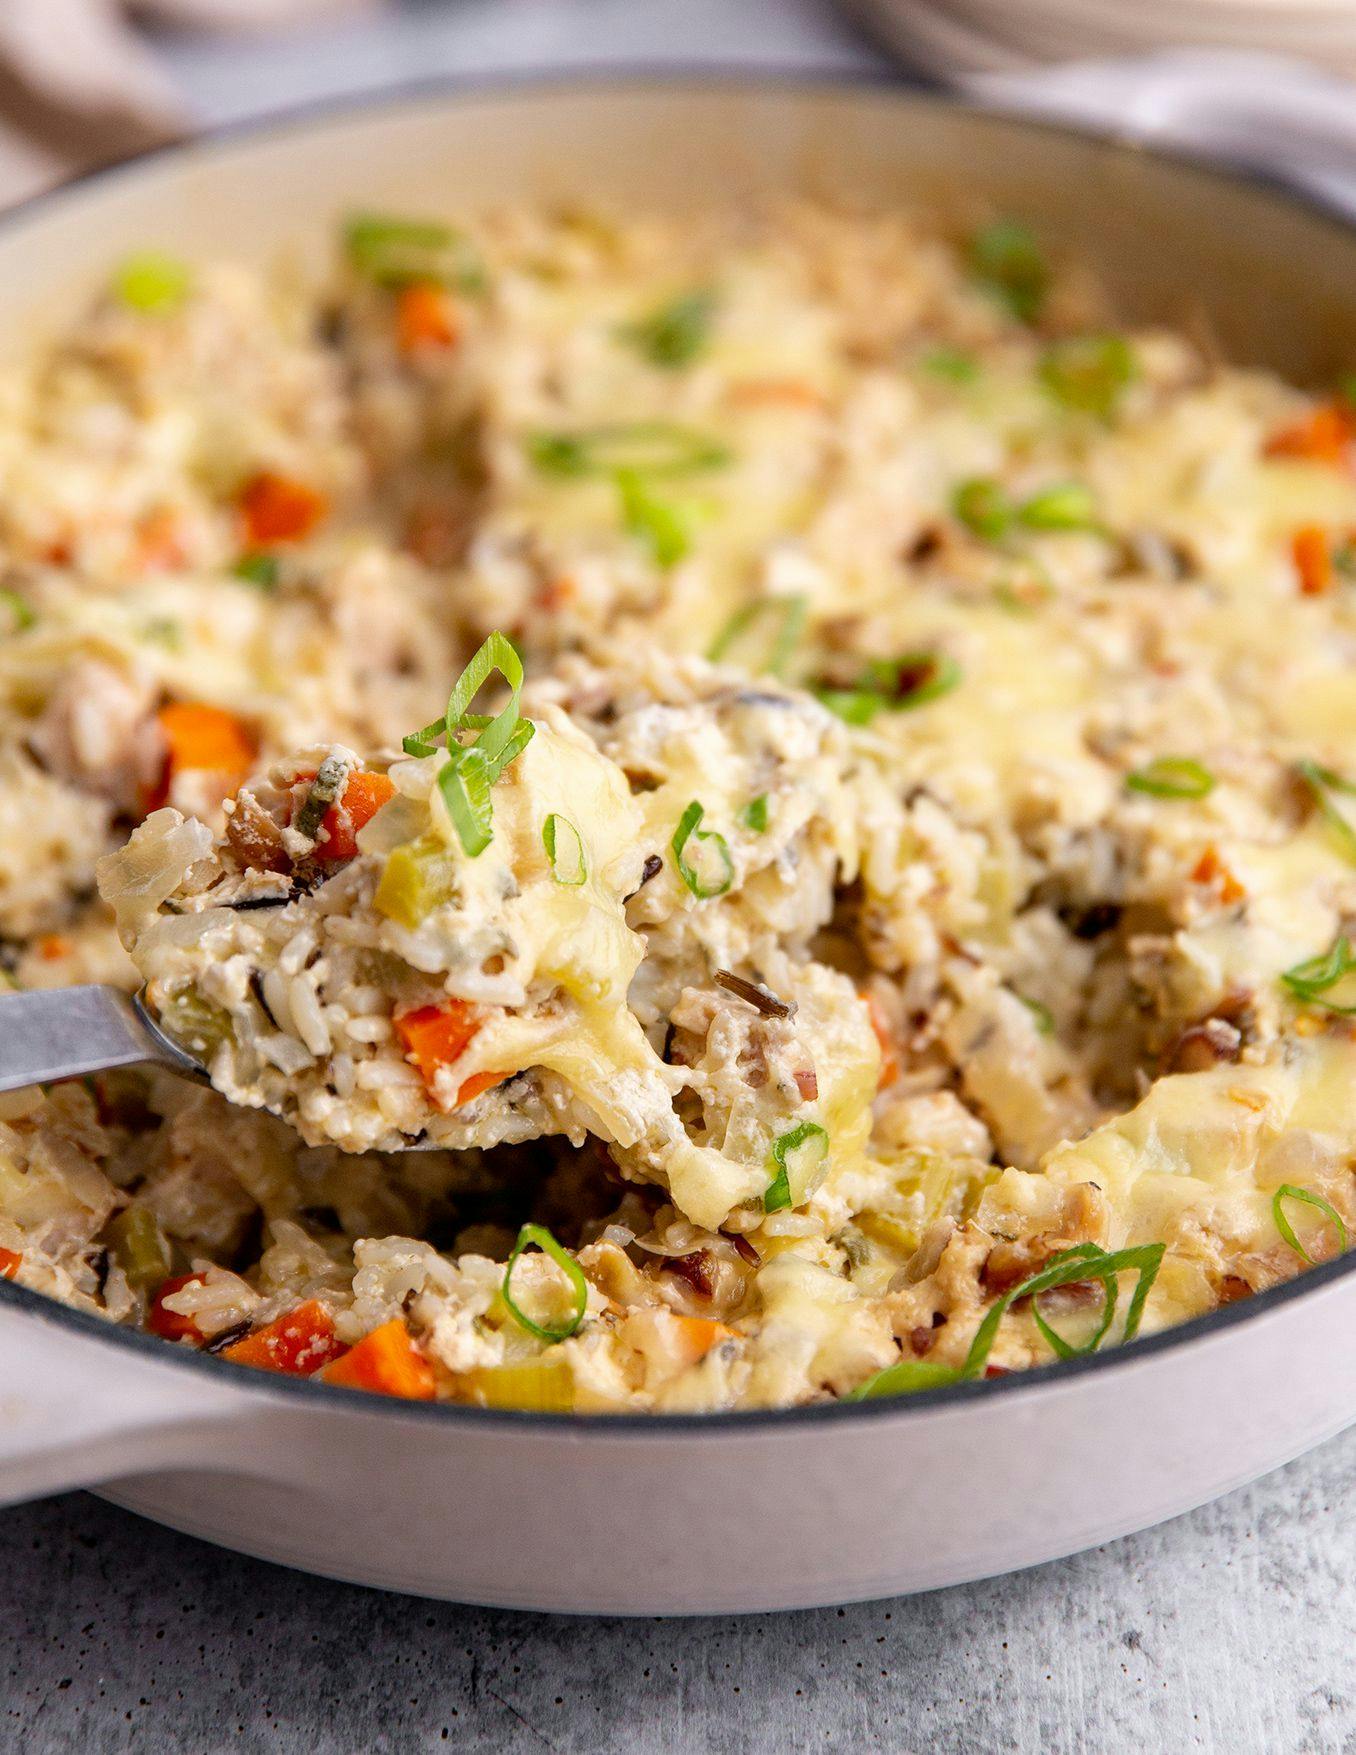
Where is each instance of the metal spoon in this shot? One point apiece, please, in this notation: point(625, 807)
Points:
point(61, 1032)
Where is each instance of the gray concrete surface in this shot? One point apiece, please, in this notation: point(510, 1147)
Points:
point(1233, 1630)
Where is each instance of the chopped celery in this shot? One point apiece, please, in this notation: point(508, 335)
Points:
point(544, 1386)
point(419, 877)
point(138, 1247)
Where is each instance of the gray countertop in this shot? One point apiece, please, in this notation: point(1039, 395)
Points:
point(1231, 1629)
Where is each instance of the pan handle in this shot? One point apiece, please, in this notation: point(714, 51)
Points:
point(77, 1409)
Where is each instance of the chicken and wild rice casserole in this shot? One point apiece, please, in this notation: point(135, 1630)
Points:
point(876, 909)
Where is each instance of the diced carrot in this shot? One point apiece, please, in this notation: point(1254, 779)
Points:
point(296, 1343)
point(436, 1035)
point(1312, 552)
point(364, 795)
point(698, 1334)
point(386, 1362)
point(889, 1060)
point(277, 509)
point(425, 317)
point(159, 540)
point(1211, 869)
point(1324, 435)
point(775, 392)
point(9, 1264)
point(53, 946)
point(170, 1325)
point(206, 737)
point(557, 593)
point(478, 1084)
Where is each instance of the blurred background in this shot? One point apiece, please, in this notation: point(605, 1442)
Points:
point(84, 82)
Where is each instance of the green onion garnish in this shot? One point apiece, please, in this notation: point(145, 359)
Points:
point(651, 447)
point(258, 569)
point(466, 778)
point(1311, 980)
point(895, 685)
point(718, 872)
point(753, 816)
point(952, 364)
point(769, 650)
point(676, 333)
point(663, 527)
point(799, 1157)
point(1068, 505)
point(1088, 373)
point(544, 1241)
point(1172, 777)
point(1007, 261)
point(394, 252)
point(1323, 783)
point(22, 616)
point(565, 849)
point(153, 283)
point(1085, 1261)
point(1288, 1191)
point(1045, 1018)
point(984, 507)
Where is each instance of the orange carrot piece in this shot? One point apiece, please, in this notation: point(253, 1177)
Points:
point(278, 509)
point(9, 1264)
point(53, 946)
point(1211, 869)
point(698, 1334)
point(206, 737)
point(1325, 435)
point(478, 1084)
point(159, 540)
point(297, 1343)
point(889, 1060)
point(363, 797)
point(1312, 552)
point(436, 1035)
point(425, 317)
point(171, 1325)
point(387, 1362)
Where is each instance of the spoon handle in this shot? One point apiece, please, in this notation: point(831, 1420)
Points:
point(60, 1032)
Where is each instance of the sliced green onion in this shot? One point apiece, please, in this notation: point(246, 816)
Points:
point(753, 816)
point(565, 849)
point(952, 364)
point(258, 569)
point(718, 874)
point(675, 333)
point(22, 615)
point(665, 529)
point(1085, 1261)
point(544, 1241)
point(1311, 980)
point(1068, 505)
point(393, 252)
point(1008, 262)
point(1172, 777)
point(1088, 373)
point(651, 447)
point(786, 617)
point(1288, 1191)
point(153, 283)
point(1323, 783)
point(895, 685)
point(800, 1157)
point(472, 769)
point(1061, 1348)
point(1045, 1018)
point(984, 506)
